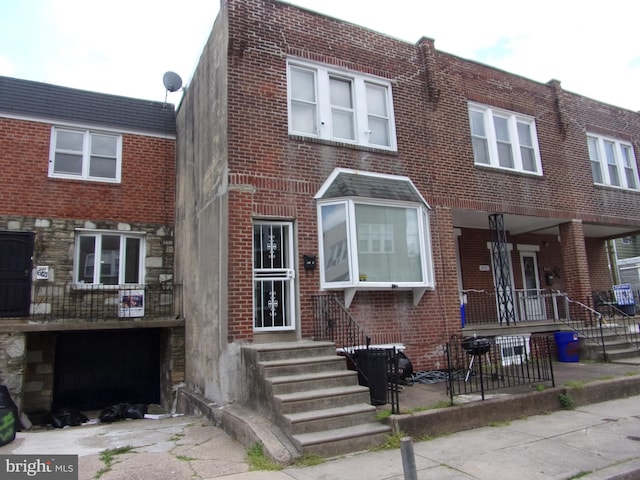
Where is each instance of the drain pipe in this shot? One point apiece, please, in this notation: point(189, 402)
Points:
point(408, 459)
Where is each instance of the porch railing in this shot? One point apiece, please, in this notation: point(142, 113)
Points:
point(334, 323)
point(481, 306)
point(478, 365)
point(90, 303)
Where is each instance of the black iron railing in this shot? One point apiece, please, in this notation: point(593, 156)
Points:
point(372, 355)
point(619, 318)
point(482, 307)
point(478, 365)
point(89, 303)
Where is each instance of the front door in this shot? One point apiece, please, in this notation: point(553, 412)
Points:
point(16, 250)
point(532, 300)
point(273, 276)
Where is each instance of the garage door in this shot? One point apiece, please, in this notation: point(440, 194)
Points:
point(101, 368)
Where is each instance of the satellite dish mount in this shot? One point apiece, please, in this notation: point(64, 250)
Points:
point(172, 83)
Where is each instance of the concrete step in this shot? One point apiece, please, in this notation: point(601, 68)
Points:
point(312, 381)
point(329, 418)
point(300, 366)
point(296, 402)
point(286, 350)
point(622, 353)
point(339, 441)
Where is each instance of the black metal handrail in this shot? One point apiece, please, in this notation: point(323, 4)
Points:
point(617, 318)
point(334, 323)
point(90, 303)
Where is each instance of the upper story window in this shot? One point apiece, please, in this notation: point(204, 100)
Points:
point(109, 258)
point(612, 162)
point(504, 139)
point(377, 237)
point(340, 105)
point(85, 154)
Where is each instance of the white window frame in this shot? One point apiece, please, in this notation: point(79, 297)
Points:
point(513, 119)
point(86, 154)
point(323, 109)
point(98, 235)
point(599, 157)
point(355, 280)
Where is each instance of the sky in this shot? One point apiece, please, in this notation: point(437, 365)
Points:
point(124, 47)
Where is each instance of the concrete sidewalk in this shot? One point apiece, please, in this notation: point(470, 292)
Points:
point(602, 439)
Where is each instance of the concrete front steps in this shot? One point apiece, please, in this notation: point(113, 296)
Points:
point(305, 388)
point(619, 349)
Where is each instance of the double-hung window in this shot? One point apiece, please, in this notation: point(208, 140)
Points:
point(612, 162)
point(85, 154)
point(343, 106)
point(378, 237)
point(109, 258)
point(504, 139)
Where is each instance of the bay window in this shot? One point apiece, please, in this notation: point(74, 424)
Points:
point(373, 242)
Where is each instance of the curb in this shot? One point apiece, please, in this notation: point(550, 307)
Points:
point(503, 409)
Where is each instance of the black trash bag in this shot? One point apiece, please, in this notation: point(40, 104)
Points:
point(7, 402)
point(113, 413)
point(135, 411)
point(405, 369)
point(68, 417)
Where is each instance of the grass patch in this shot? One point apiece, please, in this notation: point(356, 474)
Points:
point(176, 437)
point(541, 388)
point(309, 460)
point(499, 424)
point(185, 458)
point(259, 461)
point(580, 475)
point(108, 457)
point(392, 442)
point(566, 402)
point(577, 384)
point(631, 374)
point(383, 415)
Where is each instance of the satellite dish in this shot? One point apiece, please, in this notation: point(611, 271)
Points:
point(172, 81)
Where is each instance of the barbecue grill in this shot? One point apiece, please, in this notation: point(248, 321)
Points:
point(475, 346)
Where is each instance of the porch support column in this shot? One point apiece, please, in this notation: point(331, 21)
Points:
point(575, 266)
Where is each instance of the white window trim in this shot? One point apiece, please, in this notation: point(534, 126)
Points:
point(323, 110)
point(513, 118)
point(79, 232)
point(602, 159)
point(85, 155)
point(354, 284)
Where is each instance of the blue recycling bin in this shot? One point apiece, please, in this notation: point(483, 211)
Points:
point(568, 346)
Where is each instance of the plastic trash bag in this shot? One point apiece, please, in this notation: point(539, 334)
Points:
point(68, 417)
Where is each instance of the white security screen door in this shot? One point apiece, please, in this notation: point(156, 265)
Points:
point(273, 276)
point(533, 301)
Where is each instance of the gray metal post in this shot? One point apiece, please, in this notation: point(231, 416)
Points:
point(408, 459)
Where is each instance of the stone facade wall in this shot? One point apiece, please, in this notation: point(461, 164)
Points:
point(12, 364)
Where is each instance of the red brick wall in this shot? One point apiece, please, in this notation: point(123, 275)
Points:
point(275, 176)
point(145, 194)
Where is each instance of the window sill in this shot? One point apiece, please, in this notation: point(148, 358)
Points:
point(512, 171)
point(100, 286)
point(350, 292)
point(335, 143)
point(615, 188)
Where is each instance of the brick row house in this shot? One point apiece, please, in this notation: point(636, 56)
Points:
point(89, 312)
point(318, 159)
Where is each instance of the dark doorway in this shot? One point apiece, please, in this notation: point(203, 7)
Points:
point(16, 251)
point(101, 368)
